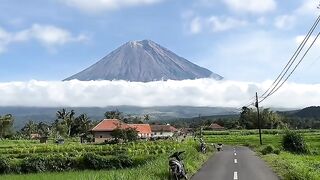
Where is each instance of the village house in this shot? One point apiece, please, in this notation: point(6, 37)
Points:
point(144, 130)
point(163, 131)
point(216, 127)
point(102, 131)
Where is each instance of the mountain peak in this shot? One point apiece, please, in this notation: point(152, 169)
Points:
point(141, 43)
point(144, 61)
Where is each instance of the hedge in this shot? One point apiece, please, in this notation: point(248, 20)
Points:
point(59, 163)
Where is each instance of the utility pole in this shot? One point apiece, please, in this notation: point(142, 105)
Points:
point(200, 126)
point(259, 122)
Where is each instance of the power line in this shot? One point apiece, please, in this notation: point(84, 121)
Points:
point(274, 86)
point(272, 92)
point(292, 59)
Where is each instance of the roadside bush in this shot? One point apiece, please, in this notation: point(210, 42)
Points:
point(267, 149)
point(51, 163)
point(294, 142)
point(277, 151)
point(33, 165)
point(4, 165)
point(96, 162)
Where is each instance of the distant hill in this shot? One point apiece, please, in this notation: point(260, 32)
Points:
point(308, 112)
point(47, 114)
point(143, 61)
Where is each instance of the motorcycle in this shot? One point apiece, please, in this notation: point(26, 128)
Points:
point(219, 147)
point(176, 167)
point(203, 147)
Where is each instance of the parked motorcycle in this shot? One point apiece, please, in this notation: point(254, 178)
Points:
point(203, 148)
point(219, 147)
point(177, 170)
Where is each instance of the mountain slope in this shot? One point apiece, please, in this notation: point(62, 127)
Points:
point(309, 112)
point(143, 61)
point(48, 114)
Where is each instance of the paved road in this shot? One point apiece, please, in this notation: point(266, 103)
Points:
point(235, 163)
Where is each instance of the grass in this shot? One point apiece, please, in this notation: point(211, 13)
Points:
point(295, 167)
point(156, 169)
point(288, 166)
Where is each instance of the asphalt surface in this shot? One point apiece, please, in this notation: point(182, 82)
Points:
point(235, 163)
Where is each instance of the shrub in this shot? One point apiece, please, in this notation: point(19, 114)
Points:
point(4, 165)
point(51, 163)
point(96, 162)
point(33, 165)
point(294, 142)
point(267, 149)
point(277, 151)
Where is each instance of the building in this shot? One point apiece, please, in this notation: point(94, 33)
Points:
point(102, 131)
point(216, 127)
point(35, 136)
point(144, 130)
point(163, 131)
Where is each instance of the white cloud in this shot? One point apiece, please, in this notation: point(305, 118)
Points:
point(199, 24)
point(218, 24)
point(48, 35)
point(251, 6)
point(284, 21)
point(102, 5)
point(262, 21)
point(300, 38)
point(308, 7)
point(195, 25)
point(251, 55)
point(201, 92)
point(4, 39)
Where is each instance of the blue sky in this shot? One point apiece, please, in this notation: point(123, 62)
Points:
point(242, 40)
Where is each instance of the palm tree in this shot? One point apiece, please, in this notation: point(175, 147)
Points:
point(146, 117)
point(82, 124)
point(67, 119)
point(29, 128)
point(70, 121)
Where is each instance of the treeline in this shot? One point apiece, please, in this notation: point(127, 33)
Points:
point(66, 124)
point(247, 119)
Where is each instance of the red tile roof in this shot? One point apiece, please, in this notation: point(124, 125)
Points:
point(141, 128)
point(110, 125)
point(163, 128)
point(215, 126)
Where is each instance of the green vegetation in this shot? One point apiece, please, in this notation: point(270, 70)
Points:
point(6, 123)
point(140, 160)
point(294, 142)
point(295, 167)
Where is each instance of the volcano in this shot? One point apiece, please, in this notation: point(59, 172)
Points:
point(143, 61)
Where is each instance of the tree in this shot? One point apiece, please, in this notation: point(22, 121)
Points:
point(128, 134)
point(43, 129)
point(113, 115)
point(6, 123)
point(82, 124)
point(146, 117)
point(118, 134)
point(131, 134)
point(64, 121)
point(29, 128)
point(269, 119)
point(247, 119)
